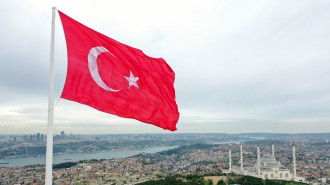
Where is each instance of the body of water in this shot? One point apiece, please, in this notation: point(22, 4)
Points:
point(73, 157)
point(239, 141)
point(228, 142)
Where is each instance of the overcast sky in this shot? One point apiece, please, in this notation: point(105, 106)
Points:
point(241, 65)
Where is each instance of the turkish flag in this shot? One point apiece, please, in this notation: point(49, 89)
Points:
point(117, 79)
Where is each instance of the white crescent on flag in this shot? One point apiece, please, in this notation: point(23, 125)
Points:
point(93, 68)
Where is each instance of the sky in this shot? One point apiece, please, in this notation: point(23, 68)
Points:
point(241, 66)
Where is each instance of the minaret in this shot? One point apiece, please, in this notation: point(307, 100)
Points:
point(294, 162)
point(273, 151)
point(241, 157)
point(258, 152)
point(229, 160)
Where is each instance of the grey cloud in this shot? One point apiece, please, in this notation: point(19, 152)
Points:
point(245, 64)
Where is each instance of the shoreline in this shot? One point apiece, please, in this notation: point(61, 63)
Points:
point(60, 158)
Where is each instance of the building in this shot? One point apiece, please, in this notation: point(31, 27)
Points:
point(267, 167)
point(62, 135)
point(38, 136)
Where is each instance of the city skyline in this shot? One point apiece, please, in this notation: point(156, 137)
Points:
point(241, 66)
point(182, 154)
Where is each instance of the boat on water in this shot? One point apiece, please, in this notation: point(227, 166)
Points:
point(67, 159)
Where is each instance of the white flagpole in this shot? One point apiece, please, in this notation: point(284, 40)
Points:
point(49, 148)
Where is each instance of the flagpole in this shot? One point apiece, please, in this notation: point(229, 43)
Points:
point(49, 148)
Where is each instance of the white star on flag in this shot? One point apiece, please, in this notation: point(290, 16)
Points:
point(132, 80)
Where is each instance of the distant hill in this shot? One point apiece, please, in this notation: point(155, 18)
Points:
point(184, 148)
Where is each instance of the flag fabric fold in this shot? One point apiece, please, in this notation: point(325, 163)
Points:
point(117, 79)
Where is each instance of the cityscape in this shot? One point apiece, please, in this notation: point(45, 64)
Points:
point(201, 154)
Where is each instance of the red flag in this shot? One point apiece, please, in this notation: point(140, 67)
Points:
point(117, 79)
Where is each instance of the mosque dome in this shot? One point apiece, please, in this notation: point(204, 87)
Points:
point(268, 157)
point(272, 163)
point(269, 161)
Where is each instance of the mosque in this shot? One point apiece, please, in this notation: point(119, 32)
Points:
point(267, 167)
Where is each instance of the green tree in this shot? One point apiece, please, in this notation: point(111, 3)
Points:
point(159, 175)
point(221, 182)
point(248, 180)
